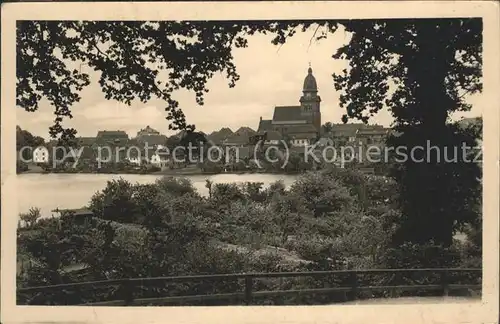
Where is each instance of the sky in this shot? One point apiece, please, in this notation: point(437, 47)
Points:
point(270, 76)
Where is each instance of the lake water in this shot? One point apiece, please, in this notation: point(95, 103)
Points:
point(51, 191)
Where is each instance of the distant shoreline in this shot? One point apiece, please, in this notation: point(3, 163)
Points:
point(160, 173)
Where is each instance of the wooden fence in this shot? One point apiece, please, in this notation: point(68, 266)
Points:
point(128, 287)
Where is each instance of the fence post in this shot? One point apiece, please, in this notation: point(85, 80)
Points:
point(354, 285)
point(395, 282)
point(128, 292)
point(445, 283)
point(248, 289)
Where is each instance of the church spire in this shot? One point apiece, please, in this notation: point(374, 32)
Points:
point(310, 81)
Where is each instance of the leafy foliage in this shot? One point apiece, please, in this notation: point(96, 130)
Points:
point(26, 143)
point(31, 217)
point(438, 196)
point(167, 228)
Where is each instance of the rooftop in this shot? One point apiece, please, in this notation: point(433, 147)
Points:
point(307, 128)
point(152, 139)
point(245, 129)
point(117, 133)
point(237, 138)
point(310, 81)
point(285, 113)
point(273, 136)
point(148, 130)
point(75, 212)
point(265, 125)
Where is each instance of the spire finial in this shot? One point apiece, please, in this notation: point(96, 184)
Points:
point(309, 70)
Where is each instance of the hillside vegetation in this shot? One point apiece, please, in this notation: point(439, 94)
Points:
point(331, 219)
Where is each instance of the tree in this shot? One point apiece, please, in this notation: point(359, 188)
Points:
point(327, 128)
point(208, 185)
point(379, 50)
point(115, 202)
point(25, 140)
point(21, 166)
point(322, 194)
point(145, 198)
point(224, 193)
point(433, 64)
point(287, 210)
point(253, 191)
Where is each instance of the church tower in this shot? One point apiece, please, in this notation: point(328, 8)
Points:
point(310, 101)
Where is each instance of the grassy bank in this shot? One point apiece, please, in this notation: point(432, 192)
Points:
point(330, 220)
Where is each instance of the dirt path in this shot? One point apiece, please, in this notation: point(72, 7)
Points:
point(415, 300)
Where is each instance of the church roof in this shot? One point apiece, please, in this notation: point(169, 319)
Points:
point(307, 128)
point(285, 113)
point(273, 136)
point(265, 125)
point(310, 82)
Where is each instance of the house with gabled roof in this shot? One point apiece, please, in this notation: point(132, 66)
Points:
point(217, 137)
point(372, 135)
point(246, 130)
point(237, 139)
point(147, 131)
point(112, 137)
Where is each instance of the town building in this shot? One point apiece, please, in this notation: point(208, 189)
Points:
point(112, 137)
point(325, 141)
point(374, 135)
point(41, 155)
point(111, 145)
point(150, 137)
point(147, 131)
point(272, 138)
point(300, 123)
point(86, 141)
point(80, 216)
point(217, 137)
point(357, 134)
point(240, 138)
point(159, 159)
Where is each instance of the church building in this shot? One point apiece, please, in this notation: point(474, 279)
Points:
point(302, 123)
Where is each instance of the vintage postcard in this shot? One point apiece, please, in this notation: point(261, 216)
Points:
point(250, 162)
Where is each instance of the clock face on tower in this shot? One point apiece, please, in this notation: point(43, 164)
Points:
point(308, 95)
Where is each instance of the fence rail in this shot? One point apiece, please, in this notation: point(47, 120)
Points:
point(129, 286)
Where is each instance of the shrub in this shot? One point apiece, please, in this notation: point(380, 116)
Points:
point(31, 217)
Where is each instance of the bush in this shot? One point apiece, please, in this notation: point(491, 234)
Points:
point(115, 202)
point(331, 219)
point(176, 186)
point(31, 217)
point(321, 194)
point(21, 166)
